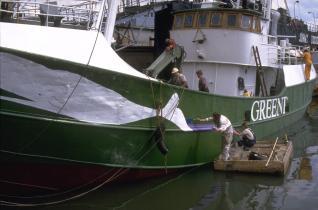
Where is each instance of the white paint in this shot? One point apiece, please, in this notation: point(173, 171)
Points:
point(269, 108)
point(90, 102)
point(225, 46)
point(111, 19)
point(294, 74)
point(65, 44)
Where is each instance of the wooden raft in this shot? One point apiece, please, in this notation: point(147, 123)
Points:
point(239, 159)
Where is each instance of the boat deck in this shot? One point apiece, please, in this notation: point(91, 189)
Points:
point(244, 161)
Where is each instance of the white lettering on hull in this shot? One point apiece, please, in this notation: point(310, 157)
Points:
point(270, 108)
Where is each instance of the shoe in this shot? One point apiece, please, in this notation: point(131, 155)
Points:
point(226, 157)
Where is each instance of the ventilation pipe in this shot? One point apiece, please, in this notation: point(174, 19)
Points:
point(275, 17)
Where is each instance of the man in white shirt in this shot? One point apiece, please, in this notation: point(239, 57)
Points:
point(224, 126)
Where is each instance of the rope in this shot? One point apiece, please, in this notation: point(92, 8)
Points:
point(62, 107)
point(43, 131)
point(118, 173)
point(54, 202)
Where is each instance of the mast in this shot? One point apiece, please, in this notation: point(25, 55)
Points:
point(111, 19)
point(98, 22)
point(112, 6)
point(269, 9)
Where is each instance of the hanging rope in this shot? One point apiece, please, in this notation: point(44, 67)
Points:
point(117, 174)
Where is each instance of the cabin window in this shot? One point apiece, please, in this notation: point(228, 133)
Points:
point(256, 25)
point(178, 23)
point(202, 19)
point(188, 20)
point(231, 20)
point(246, 22)
point(216, 19)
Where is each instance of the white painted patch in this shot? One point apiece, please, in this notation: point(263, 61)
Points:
point(294, 74)
point(65, 44)
point(90, 102)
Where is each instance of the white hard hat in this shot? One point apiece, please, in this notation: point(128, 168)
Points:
point(174, 70)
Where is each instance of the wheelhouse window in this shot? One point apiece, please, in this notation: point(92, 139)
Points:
point(231, 20)
point(216, 19)
point(202, 19)
point(178, 23)
point(246, 22)
point(256, 25)
point(188, 20)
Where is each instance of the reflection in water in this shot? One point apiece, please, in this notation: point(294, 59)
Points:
point(209, 198)
point(305, 171)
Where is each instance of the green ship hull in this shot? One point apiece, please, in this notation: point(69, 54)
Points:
point(34, 136)
point(32, 131)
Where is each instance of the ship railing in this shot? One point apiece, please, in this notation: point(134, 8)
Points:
point(283, 53)
point(273, 53)
point(138, 3)
point(290, 54)
point(312, 27)
point(50, 13)
point(269, 45)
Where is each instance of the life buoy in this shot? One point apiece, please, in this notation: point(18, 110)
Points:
point(159, 139)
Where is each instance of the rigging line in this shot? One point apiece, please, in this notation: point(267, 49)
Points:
point(113, 177)
point(118, 173)
point(153, 94)
point(68, 98)
point(160, 107)
point(64, 192)
point(5, 203)
point(71, 94)
point(160, 95)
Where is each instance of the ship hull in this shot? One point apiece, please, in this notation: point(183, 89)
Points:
point(29, 179)
point(51, 142)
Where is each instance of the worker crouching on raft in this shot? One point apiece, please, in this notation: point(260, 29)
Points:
point(247, 137)
point(224, 126)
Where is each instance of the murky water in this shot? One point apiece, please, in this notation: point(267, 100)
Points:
point(203, 188)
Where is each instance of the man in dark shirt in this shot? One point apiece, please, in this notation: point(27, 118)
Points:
point(203, 85)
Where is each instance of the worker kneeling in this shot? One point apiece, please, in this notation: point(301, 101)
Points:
point(247, 137)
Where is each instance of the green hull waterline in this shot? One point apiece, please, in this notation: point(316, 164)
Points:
point(28, 132)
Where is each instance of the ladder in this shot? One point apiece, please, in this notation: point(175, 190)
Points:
point(259, 71)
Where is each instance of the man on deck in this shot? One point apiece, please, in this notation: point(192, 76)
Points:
point(308, 62)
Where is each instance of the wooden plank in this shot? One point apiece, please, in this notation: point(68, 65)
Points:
point(278, 164)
